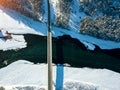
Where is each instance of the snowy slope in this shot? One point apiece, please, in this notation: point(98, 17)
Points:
point(23, 73)
point(14, 22)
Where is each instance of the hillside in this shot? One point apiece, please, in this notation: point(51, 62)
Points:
point(100, 19)
point(16, 23)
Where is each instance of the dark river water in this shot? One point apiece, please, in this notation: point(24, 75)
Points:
point(65, 50)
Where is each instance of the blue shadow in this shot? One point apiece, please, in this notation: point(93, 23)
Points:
point(59, 77)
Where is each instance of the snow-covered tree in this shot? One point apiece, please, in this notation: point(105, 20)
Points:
point(63, 13)
point(101, 27)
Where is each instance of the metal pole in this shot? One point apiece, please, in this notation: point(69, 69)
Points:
point(49, 50)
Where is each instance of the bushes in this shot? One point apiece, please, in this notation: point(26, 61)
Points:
point(105, 19)
point(12, 4)
point(104, 7)
point(2, 88)
point(101, 27)
point(17, 5)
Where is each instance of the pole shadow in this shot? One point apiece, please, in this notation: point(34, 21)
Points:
point(59, 77)
point(60, 66)
point(59, 51)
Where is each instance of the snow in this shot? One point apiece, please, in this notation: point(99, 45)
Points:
point(76, 15)
point(24, 74)
point(14, 22)
point(17, 42)
point(89, 46)
point(17, 23)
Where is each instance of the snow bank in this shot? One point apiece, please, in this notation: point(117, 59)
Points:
point(22, 87)
point(17, 42)
point(24, 74)
point(74, 85)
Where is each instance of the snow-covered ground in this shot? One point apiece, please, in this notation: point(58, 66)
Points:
point(14, 22)
point(24, 74)
point(17, 42)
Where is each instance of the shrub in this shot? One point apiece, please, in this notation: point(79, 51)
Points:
point(104, 7)
point(2, 88)
point(102, 27)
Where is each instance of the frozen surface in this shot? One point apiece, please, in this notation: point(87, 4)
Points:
point(23, 73)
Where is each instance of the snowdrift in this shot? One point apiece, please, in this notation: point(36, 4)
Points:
point(23, 75)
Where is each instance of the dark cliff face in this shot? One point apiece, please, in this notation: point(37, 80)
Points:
point(65, 50)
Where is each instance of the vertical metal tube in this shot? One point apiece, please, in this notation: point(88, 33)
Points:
point(49, 50)
point(49, 60)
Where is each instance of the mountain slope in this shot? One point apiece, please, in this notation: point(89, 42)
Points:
point(14, 22)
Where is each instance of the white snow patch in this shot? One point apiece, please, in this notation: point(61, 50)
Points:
point(23, 73)
point(77, 85)
point(17, 42)
point(89, 46)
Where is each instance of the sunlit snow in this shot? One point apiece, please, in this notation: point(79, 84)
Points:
point(26, 74)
